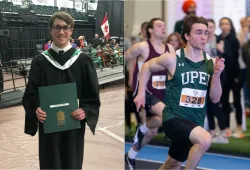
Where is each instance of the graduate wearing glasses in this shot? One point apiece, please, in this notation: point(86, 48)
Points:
point(62, 64)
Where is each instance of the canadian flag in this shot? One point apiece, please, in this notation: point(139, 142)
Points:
point(105, 26)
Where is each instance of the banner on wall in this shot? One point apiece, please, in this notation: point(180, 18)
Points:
point(65, 4)
point(79, 7)
point(92, 6)
point(17, 2)
point(43, 2)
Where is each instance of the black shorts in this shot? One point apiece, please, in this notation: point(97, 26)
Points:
point(151, 100)
point(178, 130)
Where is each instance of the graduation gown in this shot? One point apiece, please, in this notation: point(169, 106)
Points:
point(1, 76)
point(62, 150)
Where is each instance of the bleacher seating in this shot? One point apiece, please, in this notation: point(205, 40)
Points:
point(8, 7)
point(42, 10)
point(34, 16)
point(49, 10)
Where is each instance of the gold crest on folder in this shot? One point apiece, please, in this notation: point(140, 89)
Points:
point(60, 118)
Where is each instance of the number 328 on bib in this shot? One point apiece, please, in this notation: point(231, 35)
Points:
point(193, 98)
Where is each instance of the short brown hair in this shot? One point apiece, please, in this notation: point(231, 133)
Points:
point(151, 25)
point(62, 16)
point(211, 20)
point(189, 21)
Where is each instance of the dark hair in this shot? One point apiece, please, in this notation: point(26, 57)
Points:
point(189, 21)
point(62, 16)
point(151, 25)
point(144, 24)
point(211, 20)
point(232, 31)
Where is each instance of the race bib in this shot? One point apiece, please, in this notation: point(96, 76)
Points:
point(193, 98)
point(158, 82)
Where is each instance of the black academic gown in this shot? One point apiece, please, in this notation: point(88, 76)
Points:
point(1, 76)
point(62, 150)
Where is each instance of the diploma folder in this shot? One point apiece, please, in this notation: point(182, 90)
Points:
point(59, 101)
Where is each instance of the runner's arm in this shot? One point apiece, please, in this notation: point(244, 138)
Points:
point(153, 65)
point(130, 55)
point(133, 52)
point(131, 68)
point(215, 89)
point(215, 86)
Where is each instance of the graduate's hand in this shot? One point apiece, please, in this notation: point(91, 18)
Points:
point(78, 114)
point(41, 115)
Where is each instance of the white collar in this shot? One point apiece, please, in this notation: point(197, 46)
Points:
point(67, 64)
point(56, 49)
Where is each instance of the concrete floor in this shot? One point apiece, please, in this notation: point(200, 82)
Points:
point(102, 151)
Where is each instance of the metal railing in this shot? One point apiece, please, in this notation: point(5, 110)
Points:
point(17, 70)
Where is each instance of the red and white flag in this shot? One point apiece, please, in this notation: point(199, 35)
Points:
point(105, 26)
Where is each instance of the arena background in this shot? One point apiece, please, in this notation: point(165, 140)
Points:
point(139, 11)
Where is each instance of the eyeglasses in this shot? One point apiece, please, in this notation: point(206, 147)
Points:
point(59, 28)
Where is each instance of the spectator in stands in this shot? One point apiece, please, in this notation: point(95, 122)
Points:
point(143, 33)
point(102, 38)
point(120, 57)
point(244, 37)
point(107, 40)
point(142, 36)
point(188, 7)
point(117, 47)
point(113, 42)
point(107, 45)
point(72, 41)
point(215, 109)
point(175, 40)
point(246, 59)
point(84, 41)
point(62, 150)
point(96, 40)
point(228, 47)
point(96, 56)
point(1, 76)
point(80, 38)
point(127, 43)
point(127, 40)
point(47, 44)
point(78, 43)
